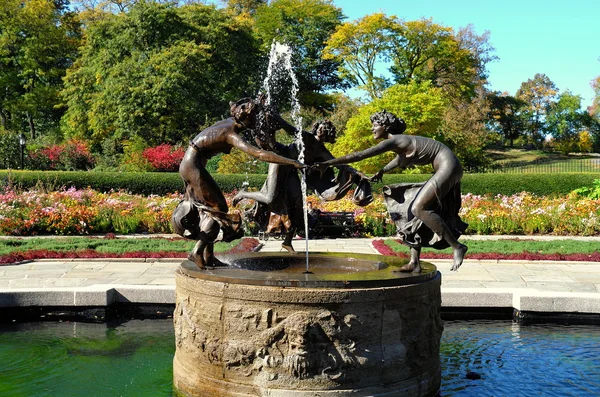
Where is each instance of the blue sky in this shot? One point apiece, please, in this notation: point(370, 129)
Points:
point(558, 39)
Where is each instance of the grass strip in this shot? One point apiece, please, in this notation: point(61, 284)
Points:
point(19, 249)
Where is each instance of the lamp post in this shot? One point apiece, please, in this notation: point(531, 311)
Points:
point(22, 142)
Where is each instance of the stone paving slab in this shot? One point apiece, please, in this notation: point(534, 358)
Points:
point(542, 286)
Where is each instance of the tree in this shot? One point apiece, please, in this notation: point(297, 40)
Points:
point(564, 121)
point(595, 108)
point(304, 25)
point(537, 93)
point(421, 105)
point(426, 51)
point(506, 114)
point(38, 42)
point(343, 109)
point(464, 130)
point(158, 72)
point(358, 46)
point(248, 7)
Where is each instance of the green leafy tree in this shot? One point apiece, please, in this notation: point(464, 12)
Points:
point(565, 121)
point(426, 51)
point(421, 105)
point(506, 115)
point(343, 109)
point(358, 46)
point(158, 72)
point(10, 153)
point(304, 25)
point(247, 7)
point(38, 42)
point(538, 93)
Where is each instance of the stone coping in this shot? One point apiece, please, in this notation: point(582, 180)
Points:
point(476, 298)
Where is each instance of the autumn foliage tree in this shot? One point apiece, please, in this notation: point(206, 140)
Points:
point(537, 93)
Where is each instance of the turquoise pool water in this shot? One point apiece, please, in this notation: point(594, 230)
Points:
point(135, 359)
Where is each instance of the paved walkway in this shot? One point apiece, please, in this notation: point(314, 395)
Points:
point(525, 285)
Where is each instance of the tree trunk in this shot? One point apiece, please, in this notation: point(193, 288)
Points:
point(31, 125)
point(2, 119)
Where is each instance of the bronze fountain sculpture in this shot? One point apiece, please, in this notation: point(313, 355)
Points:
point(256, 324)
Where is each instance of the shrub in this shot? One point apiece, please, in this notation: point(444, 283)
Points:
point(169, 182)
point(164, 158)
point(133, 158)
point(72, 155)
point(589, 192)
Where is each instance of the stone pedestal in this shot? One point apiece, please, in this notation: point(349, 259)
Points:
point(360, 330)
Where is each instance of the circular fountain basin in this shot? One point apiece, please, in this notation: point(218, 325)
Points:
point(352, 326)
point(325, 270)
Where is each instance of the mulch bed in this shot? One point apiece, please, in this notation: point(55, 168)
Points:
point(384, 249)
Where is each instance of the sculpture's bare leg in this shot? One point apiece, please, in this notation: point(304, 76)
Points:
point(267, 193)
point(415, 262)
point(423, 207)
point(197, 254)
point(287, 242)
point(203, 252)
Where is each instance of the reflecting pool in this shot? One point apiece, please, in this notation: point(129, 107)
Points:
point(135, 359)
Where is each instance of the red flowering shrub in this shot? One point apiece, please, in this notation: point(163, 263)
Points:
point(76, 156)
point(72, 155)
point(164, 157)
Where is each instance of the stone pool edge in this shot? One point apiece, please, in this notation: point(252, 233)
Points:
point(521, 299)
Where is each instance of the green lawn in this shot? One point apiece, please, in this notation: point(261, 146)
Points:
point(563, 247)
point(153, 244)
point(536, 161)
point(103, 245)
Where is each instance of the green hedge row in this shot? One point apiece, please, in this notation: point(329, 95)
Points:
point(539, 184)
point(162, 183)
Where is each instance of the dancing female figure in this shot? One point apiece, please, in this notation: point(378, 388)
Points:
point(204, 211)
point(433, 196)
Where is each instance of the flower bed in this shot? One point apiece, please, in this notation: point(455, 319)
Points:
point(525, 213)
point(85, 211)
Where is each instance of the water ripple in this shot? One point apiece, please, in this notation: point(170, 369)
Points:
point(514, 360)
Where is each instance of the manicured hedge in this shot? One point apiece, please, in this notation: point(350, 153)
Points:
point(539, 184)
point(165, 182)
point(135, 182)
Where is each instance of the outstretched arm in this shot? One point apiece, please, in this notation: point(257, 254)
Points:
point(287, 127)
point(396, 162)
point(238, 142)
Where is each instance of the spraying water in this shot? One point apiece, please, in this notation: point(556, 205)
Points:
point(280, 67)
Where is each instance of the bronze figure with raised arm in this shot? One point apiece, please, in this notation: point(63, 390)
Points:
point(281, 195)
point(203, 213)
point(440, 191)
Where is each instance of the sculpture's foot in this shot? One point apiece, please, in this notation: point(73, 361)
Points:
point(197, 260)
point(410, 268)
point(288, 248)
point(459, 255)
